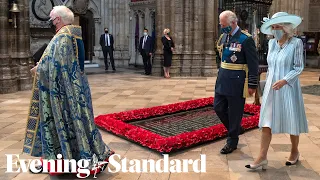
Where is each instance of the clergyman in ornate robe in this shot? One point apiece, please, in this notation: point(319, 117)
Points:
point(61, 116)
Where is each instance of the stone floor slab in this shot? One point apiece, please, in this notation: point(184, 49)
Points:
point(125, 90)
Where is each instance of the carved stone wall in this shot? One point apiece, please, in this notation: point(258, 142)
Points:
point(8, 78)
point(297, 7)
point(40, 32)
point(314, 16)
point(15, 56)
point(142, 15)
point(193, 26)
point(115, 16)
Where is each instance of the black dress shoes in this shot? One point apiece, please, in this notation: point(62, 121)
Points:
point(227, 149)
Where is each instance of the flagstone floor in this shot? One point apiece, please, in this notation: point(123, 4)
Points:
point(127, 89)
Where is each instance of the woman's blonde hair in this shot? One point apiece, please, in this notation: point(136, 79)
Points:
point(165, 31)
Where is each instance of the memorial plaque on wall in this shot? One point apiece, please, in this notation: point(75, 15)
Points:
point(80, 6)
point(314, 16)
point(39, 13)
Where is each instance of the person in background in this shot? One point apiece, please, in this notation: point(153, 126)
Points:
point(107, 43)
point(168, 47)
point(146, 50)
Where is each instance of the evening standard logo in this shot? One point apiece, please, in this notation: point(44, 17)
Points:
point(83, 167)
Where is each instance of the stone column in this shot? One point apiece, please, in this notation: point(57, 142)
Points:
point(124, 51)
point(116, 33)
point(176, 25)
point(146, 19)
point(121, 26)
point(187, 46)
point(8, 82)
point(141, 23)
point(116, 24)
point(132, 28)
point(22, 54)
point(139, 60)
point(98, 28)
point(209, 63)
point(198, 38)
point(127, 28)
point(29, 61)
point(157, 68)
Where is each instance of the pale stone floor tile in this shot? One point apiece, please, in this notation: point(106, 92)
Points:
point(18, 125)
point(237, 165)
point(154, 176)
point(219, 175)
point(28, 175)
point(303, 175)
point(20, 131)
point(119, 176)
point(6, 115)
point(242, 153)
point(244, 176)
point(5, 175)
point(112, 92)
point(271, 174)
point(6, 144)
point(184, 176)
point(217, 165)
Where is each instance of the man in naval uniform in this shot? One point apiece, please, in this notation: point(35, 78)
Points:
point(237, 76)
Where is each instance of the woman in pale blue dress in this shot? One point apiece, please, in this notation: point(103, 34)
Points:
point(282, 109)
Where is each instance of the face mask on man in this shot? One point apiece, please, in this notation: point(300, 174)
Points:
point(226, 30)
point(106, 31)
point(278, 34)
point(52, 26)
point(145, 34)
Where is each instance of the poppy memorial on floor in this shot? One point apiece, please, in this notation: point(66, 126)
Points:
point(173, 127)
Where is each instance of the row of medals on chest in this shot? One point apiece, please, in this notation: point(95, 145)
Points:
point(234, 47)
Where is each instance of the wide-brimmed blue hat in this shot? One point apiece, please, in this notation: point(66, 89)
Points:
point(277, 18)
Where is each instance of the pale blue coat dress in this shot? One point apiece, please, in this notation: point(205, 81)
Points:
point(283, 110)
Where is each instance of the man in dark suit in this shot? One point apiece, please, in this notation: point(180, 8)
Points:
point(237, 77)
point(106, 42)
point(146, 50)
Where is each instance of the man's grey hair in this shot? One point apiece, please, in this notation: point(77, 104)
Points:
point(288, 29)
point(230, 15)
point(65, 13)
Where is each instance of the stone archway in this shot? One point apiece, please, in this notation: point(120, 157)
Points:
point(94, 8)
point(137, 26)
point(142, 15)
point(88, 34)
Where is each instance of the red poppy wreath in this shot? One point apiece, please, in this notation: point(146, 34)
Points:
point(122, 124)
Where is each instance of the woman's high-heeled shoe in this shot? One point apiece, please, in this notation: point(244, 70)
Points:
point(289, 163)
point(262, 164)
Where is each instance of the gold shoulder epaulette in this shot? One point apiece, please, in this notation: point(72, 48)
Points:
point(220, 47)
point(246, 33)
point(219, 40)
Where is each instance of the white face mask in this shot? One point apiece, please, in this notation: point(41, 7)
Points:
point(145, 34)
point(278, 34)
